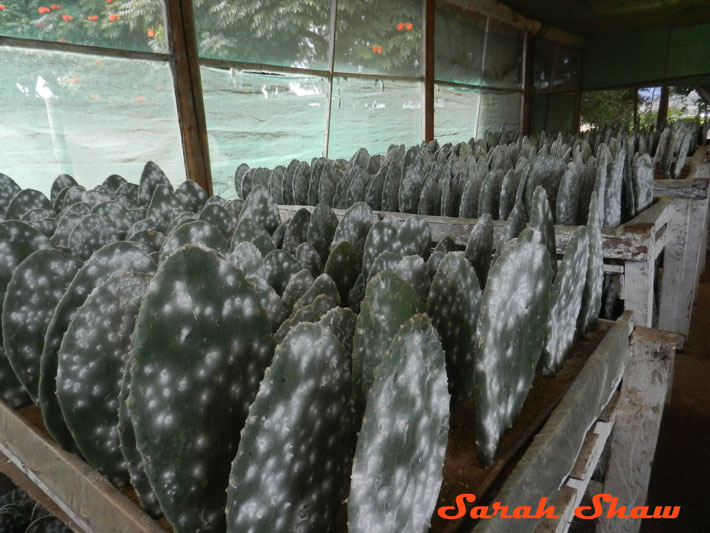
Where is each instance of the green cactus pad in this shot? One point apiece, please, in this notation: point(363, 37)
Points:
point(541, 219)
point(510, 334)
point(508, 192)
point(479, 248)
point(193, 377)
point(113, 258)
point(246, 231)
point(287, 471)
point(91, 361)
point(567, 211)
point(380, 238)
point(8, 190)
point(432, 264)
point(234, 207)
point(18, 240)
point(46, 225)
point(153, 239)
point(24, 201)
point(90, 234)
point(65, 225)
point(314, 182)
point(152, 177)
point(373, 195)
point(296, 230)
point(278, 236)
point(301, 181)
point(247, 258)
point(127, 194)
point(412, 181)
point(216, 199)
point(195, 232)
point(343, 267)
point(357, 293)
point(399, 460)
point(415, 237)
point(566, 301)
point(220, 218)
point(287, 182)
point(323, 284)
point(453, 302)
point(353, 228)
point(445, 245)
point(490, 194)
point(118, 214)
point(592, 299)
point(389, 302)
point(297, 286)
point(642, 175)
point(413, 270)
point(321, 228)
point(429, 199)
point(357, 188)
point(309, 313)
point(390, 190)
point(67, 197)
point(448, 196)
point(280, 266)
point(191, 196)
point(35, 289)
point(612, 193)
point(385, 261)
point(309, 258)
point(264, 243)
point(261, 207)
point(513, 226)
point(164, 205)
point(341, 322)
point(95, 197)
point(60, 183)
point(327, 186)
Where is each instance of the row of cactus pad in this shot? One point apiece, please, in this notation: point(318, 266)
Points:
point(487, 176)
point(229, 365)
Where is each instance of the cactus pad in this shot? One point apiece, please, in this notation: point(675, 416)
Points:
point(35, 289)
point(380, 238)
point(479, 248)
point(90, 234)
point(541, 219)
point(566, 300)
point(296, 230)
point(220, 218)
point(309, 313)
point(321, 229)
point(193, 377)
point(297, 286)
point(262, 208)
point(415, 237)
point(341, 322)
point(24, 201)
point(453, 302)
point(195, 232)
point(91, 361)
point(323, 284)
point(397, 473)
point(592, 299)
point(280, 266)
point(152, 177)
point(8, 190)
point(191, 196)
point(413, 270)
point(286, 474)
point(343, 267)
point(509, 336)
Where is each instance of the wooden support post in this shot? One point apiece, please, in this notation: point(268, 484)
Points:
point(429, 65)
point(638, 290)
point(663, 108)
point(528, 84)
point(578, 102)
point(647, 380)
point(188, 92)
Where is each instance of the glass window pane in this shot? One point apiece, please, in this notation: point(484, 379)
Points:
point(499, 112)
point(111, 24)
point(379, 39)
point(561, 112)
point(612, 107)
point(459, 38)
point(455, 113)
point(261, 119)
point(289, 33)
point(84, 115)
point(556, 66)
point(504, 56)
point(373, 114)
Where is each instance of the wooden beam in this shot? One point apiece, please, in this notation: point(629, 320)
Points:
point(429, 65)
point(187, 82)
point(578, 101)
point(528, 83)
point(35, 44)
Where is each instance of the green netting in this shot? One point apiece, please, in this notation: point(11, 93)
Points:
point(504, 56)
point(455, 113)
point(640, 57)
point(554, 112)
point(499, 112)
point(555, 66)
point(459, 39)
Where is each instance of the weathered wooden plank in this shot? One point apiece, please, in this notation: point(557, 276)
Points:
point(638, 420)
point(554, 451)
point(89, 500)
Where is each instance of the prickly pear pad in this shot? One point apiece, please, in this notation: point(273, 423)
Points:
point(200, 348)
point(592, 299)
point(380, 238)
point(152, 177)
point(36, 287)
point(397, 473)
point(91, 358)
point(341, 322)
point(195, 232)
point(115, 257)
point(479, 248)
point(454, 299)
point(566, 300)
point(343, 268)
point(261, 207)
point(18, 241)
point(509, 336)
point(541, 219)
point(321, 229)
point(353, 228)
point(286, 474)
point(389, 302)
point(415, 237)
point(90, 234)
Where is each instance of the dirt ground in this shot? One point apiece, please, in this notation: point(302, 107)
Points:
point(681, 468)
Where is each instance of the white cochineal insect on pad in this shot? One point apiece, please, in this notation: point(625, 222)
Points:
point(397, 471)
point(509, 336)
point(193, 376)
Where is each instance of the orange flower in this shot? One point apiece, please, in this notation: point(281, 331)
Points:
point(409, 26)
point(67, 18)
point(74, 80)
point(43, 10)
point(109, 1)
point(374, 48)
point(140, 98)
point(55, 6)
point(92, 17)
point(61, 40)
point(400, 26)
point(94, 96)
point(2, 6)
point(151, 33)
point(112, 17)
